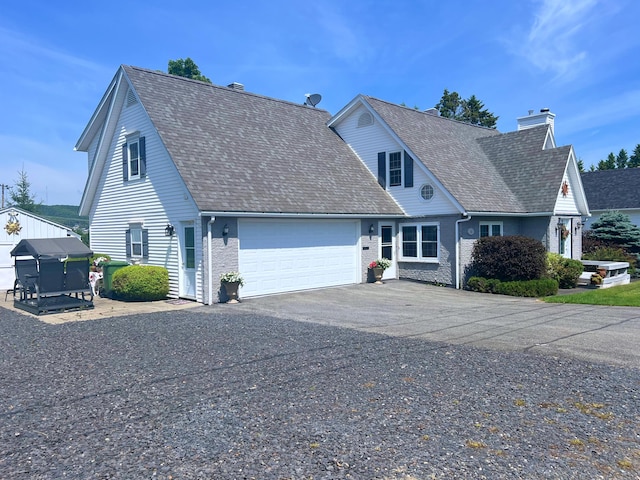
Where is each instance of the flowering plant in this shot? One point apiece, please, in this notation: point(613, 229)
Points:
point(100, 260)
point(230, 277)
point(382, 263)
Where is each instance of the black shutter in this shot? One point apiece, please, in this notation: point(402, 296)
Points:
point(125, 163)
point(408, 170)
point(145, 243)
point(143, 157)
point(128, 242)
point(382, 169)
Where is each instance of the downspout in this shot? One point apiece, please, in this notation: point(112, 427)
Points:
point(210, 260)
point(466, 218)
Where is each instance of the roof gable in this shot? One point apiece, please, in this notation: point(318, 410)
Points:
point(241, 152)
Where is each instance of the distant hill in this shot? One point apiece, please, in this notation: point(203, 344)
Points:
point(66, 215)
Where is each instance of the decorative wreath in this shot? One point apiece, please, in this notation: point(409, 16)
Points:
point(13, 227)
point(564, 232)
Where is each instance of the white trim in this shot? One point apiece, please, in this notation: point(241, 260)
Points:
point(354, 216)
point(419, 258)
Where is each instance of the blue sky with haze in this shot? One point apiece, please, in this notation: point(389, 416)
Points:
point(577, 57)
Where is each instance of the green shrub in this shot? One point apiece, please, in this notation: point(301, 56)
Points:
point(140, 283)
point(483, 285)
point(565, 271)
point(542, 287)
point(612, 254)
point(509, 258)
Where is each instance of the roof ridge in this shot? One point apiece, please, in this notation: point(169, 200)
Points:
point(423, 112)
point(222, 87)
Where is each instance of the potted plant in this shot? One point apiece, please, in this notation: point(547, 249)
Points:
point(232, 281)
point(378, 267)
point(596, 279)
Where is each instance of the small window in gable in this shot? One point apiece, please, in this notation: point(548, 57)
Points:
point(426, 192)
point(395, 169)
point(365, 120)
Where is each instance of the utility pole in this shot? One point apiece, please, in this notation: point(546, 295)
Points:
point(3, 187)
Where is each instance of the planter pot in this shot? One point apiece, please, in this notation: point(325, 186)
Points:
point(377, 273)
point(231, 288)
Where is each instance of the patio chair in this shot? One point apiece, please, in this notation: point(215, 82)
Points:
point(50, 278)
point(77, 278)
point(26, 276)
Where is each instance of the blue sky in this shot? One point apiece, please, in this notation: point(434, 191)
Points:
point(577, 57)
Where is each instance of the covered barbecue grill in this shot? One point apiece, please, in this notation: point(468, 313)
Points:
point(52, 274)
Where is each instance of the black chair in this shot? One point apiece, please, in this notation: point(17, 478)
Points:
point(50, 278)
point(26, 276)
point(77, 277)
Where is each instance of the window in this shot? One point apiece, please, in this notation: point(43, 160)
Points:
point(488, 229)
point(134, 158)
point(426, 191)
point(189, 247)
point(395, 169)
point(137, 243)
point(420, 242)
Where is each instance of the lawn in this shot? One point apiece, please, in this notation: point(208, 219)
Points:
point(622, 296)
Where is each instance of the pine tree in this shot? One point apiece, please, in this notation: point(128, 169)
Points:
point(21, 195)
point(634, 160)
point(616, 228)
point(622, 159)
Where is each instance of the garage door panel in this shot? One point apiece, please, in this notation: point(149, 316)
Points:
point(281, 256)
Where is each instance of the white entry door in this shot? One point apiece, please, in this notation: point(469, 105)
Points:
point(388, 250)
point(283, 255)
point(188, 261)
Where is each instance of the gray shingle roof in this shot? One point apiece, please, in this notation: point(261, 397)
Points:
point(241, 152)
point(486, 171)
point(612, 189)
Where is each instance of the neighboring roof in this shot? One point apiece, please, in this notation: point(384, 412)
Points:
point(485, 171)
point(612, 189)
point(51, 248)
point(241, 152)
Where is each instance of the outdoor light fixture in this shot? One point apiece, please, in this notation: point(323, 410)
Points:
point(225, 230)
point(559, 226)
point(577, 227)
point(169, 230)
point(371, 229)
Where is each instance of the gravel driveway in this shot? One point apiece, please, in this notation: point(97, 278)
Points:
point(223, 393)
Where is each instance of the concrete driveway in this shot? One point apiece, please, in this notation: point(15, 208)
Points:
point(400, 308)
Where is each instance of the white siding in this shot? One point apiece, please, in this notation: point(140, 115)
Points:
point(368, 141)
point(32, 227)
point(155, 200)
point(567, 205)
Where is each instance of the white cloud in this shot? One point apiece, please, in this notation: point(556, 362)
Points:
point(553, 43)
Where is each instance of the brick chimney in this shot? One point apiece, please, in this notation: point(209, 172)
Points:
point(545, 117)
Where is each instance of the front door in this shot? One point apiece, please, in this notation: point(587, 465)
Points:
point(388, 249)
point(564, 237)
point(188, 262)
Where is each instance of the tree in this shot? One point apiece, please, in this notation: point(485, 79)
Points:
point(609, 163)
point(634, 160)
point(471, 110)
point(616, 228)
point(580, 166)
point(21, 194)
point(186, 68)
point(622, 159)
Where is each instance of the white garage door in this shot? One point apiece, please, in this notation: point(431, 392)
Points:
point(286, 255)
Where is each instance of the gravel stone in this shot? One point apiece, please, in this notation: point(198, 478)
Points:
point(204, 393)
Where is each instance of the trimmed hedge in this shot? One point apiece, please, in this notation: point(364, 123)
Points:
point(509, 258)
point(565, 271)
point(140, 283)
point(518, 288)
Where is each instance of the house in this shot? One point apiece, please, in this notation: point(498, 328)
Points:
point(18, 224)
point(204, 179)
point(617, 189)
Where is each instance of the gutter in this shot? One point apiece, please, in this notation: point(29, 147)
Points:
point(209, 261)
point(353, 216)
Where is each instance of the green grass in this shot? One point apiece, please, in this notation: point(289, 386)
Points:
point(621, 296)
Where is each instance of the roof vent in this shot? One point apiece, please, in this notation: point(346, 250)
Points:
point(432, 111)
point(131, 98)
point(236, 86)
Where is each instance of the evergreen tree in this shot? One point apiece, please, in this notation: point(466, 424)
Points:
point(21, 194)
point(622, 159)
point(581, 166)
point(634, 160)
point(471, 110)
point(616, 228)
point(609, 163)
point(186, 68)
